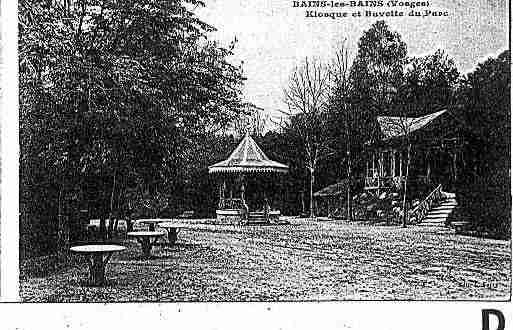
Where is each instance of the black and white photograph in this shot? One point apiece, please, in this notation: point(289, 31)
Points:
point(264, 151)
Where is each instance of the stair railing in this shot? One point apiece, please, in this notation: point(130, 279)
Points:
point(420, 211)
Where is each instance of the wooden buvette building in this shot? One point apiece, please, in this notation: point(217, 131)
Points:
point(243, 174)
point(438, 148)
point(436, 153)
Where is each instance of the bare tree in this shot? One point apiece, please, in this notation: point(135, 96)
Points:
point(307, 98)
point(254, 121)
point(341, 101)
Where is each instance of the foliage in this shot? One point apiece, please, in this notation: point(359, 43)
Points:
point(485, 96)
point(107, 97)
point(486, 203)
point(485, 99)
point(429, 84)
point(286, 147)
point(378, 69)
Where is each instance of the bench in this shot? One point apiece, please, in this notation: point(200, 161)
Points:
point(94, 224)
point(186, 214)
point(460, 226)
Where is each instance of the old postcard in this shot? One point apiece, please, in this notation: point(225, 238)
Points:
point(266, 151)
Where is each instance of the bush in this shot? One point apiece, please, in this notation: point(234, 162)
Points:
point(486, 204)
point(44, 265)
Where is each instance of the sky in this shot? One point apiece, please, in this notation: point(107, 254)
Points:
point(273, 37)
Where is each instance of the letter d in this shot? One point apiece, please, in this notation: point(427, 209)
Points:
point(485, 317)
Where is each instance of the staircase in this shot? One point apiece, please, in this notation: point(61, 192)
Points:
point(438, 215)
point(257, 218)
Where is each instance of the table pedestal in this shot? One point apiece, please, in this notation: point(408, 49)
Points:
point(172, 235)
point(97, 256)
point(146, 245)
point(97, 264)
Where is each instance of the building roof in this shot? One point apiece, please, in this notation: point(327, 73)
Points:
point(248, 157)
point(335, 189)
point(339, 188)
point(393, 127)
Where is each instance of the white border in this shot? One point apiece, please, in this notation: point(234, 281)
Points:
point(258, 316)
point(10, 151)
point(329, 315)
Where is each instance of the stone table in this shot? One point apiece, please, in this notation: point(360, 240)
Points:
point(98, 256)
point(172, 229)
point(147, 239)
point(153, 222)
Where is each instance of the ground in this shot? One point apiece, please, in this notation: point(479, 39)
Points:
point(305, 260)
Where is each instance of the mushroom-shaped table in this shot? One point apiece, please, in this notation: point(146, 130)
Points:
point(172, 230)
point(147, 239)
point(152, 222)
point(98, 256)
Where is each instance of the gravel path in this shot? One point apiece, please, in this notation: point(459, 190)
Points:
point(302, 261)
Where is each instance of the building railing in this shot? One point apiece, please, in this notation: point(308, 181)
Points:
point(391, 181)
point(383, 182)
point(371, 182)
point(420, 211)
point(231, 204)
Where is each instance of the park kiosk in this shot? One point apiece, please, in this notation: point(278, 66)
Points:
point(247, 163)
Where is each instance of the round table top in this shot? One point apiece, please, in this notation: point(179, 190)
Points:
point(97, 248)
point(153, 220)
point(146, 233)
point(172, 225)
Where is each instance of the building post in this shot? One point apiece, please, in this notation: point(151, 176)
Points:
point(220, 192)
point(401, 164)
point(428, 167)
point(380, 164)
point(393, 163)
point(428, 174)
point(454, 165)
point(242, 190)
point(380, 169)
point(373, 163)
point(303, 208)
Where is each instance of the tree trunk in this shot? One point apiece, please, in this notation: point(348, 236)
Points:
point(120, 214)
point(303, 208)
point(312, 178)
point(103, 228)
point(349, 181)
point(405, 211)
point(349, 169)
point(62, 223)
point(59, 219)
point(129, 223)
point(111, 213)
